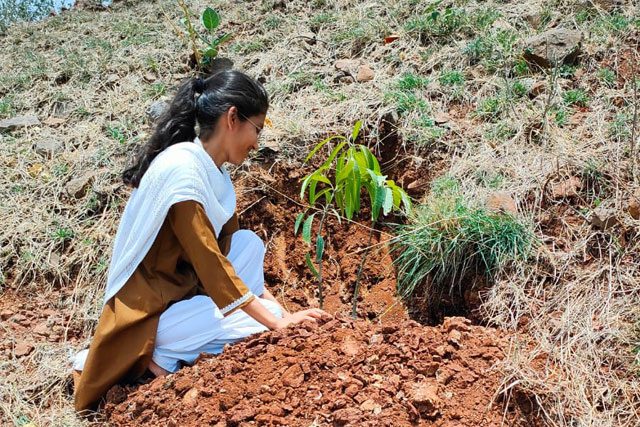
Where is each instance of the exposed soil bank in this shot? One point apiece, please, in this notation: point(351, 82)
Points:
point(338, 373)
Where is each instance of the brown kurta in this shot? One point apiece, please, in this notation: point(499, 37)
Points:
point(185, 259)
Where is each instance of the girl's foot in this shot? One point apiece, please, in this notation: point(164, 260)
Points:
point(157, 370)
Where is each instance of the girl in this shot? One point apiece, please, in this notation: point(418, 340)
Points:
point(183, 278)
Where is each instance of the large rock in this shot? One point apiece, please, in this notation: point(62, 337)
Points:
point(156, 109)
point(77, 187)
point(48, 147)
point(553, 47)
point(19, 122)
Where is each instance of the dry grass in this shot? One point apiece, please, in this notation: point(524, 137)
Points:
point(97, 72)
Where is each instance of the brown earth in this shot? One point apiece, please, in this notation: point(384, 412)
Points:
point(339, 373)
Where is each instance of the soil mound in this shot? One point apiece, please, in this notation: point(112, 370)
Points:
point(338, 373)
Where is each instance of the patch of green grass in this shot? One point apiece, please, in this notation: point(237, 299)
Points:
point(7, 107)
point(489, 108)
point(156, 90)
point(451, 78)
point(448, 238)
point(437, 22)
point(117, 133)
point(499, 132)
point(518, 89)
point(318, 20)
point(607, 77)
point(410, 81)
point(561, 117)
point(521, 67)
point(133, 32)
point(272, 22)
point(619, 127)
point(576, 97)
point(494, 50)
point(245, 47)
point(406, 102)
point(484, 18)
point(492, 180)
point(425, 132)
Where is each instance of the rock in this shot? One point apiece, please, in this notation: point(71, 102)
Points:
point(346, 65)
point(156, 109)
point(293, 376)
point(346, 416)
point(6, 314)
point(454, 338)
point(350, 346)
point(567, 188)
point(424, 397)
point(537, 89)
point(42, 329)
point(77, 187)
point(634, 205)
point(554, 47)
point(502, 202)
point(456, 323)
point(22, 349)
point(365, 74)
point(48, 148)
point(370, 405)
point(19, 122)
point(308, 37)
point(376, 339)
point(604, 218)
point(441, 118)
point(190, 398)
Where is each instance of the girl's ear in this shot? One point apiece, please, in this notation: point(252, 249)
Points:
point(232, 117)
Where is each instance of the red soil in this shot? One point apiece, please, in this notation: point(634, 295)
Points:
point(338, 373)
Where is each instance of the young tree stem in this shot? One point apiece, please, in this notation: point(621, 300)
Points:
point(356, 288)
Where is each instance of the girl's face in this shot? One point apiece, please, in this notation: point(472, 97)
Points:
point(244, 137)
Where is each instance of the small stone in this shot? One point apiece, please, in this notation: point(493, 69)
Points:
point(156, 109)
point(293, 376)
point(553, 47)
point(345, 64)
point(634, 205)
point(190, 398)
point(604, 218)
point(567, 188)
point(77, 187)
point(455, 337)
point(370, 405)
point(365, 74)
point(22, 349)
point(48, 148)
point(502, 202)
point(441, 118)
point(537, 89)
point(19, 122)
point(5, 314)
point(424, 396)
point(376, 339)
point(42, 329)
point(351, 416)
point(350, 346)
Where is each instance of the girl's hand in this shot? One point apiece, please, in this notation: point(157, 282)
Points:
point(313, 314)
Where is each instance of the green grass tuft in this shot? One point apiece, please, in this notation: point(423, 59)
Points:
point(447, 238)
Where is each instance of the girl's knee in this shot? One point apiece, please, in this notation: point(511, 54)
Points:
point(249, 241)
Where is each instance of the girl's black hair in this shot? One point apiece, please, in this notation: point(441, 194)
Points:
point(202, 102)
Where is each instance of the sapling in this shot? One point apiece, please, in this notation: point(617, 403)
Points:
point(210, 20)
point(336, 187)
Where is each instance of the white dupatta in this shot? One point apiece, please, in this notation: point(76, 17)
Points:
point(181, 172)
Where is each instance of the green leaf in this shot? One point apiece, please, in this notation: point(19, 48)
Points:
point(326, 193)
point(320, 145)
point(356, 130)
point(299, 219)
point(219, 40)
point(210, 19)
point(334, 153)
point(210, 53)
point(312, 267)
point(306, 228)
point(378, 201)
point(388, 201)
point(319, 248)
point(344, 172)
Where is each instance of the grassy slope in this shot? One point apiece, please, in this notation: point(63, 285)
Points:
point(93, 74)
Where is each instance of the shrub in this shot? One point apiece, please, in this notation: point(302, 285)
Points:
point(447, 239)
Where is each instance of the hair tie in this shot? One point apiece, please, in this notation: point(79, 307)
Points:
point(198, 86)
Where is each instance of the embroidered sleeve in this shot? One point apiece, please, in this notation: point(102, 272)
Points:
point(218, 277)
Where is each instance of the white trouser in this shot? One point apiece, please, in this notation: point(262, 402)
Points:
point(193, 326)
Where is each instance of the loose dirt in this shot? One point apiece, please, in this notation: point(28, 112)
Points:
point(339, 373)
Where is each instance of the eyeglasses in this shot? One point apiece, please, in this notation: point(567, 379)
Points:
point(258, 128)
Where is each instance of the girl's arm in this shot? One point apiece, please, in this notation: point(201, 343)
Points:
point(268, 295)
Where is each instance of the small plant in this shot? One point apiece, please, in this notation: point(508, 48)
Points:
point(451, 78)
point(447, 238)
point(436, 23)
point(518, 89)
point(575, 97)
point(210, 20)
point(489, 108)
point(116, 133)
point(607, 76)
point(410, 82)
point(561, 118)
point(336, 186)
